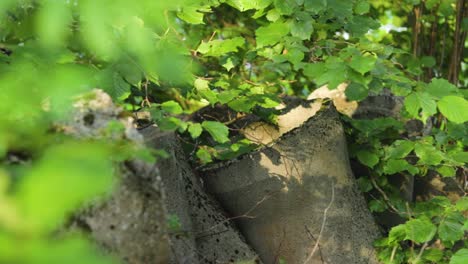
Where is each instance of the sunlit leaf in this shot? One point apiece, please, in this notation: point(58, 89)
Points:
point(195, 130)
point(271, 34)
point(455, 108)
point(217, 130)
point(172, 107)
point(460, 257)
point(420, 230)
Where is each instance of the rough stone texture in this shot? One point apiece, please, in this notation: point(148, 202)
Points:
point(132, 223)
point(93, 112)
point(207, 236)
point(280, 193)
point(381, 105)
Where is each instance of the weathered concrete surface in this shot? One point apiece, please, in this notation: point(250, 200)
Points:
point(206, 235)
point(132, 223)
point(280, 195)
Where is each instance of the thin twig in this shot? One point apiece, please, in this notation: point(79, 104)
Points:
point(384, 195)
point(323, 224)
point(393, 253)
point(421, 252)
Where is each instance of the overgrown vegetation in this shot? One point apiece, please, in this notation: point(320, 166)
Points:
point(173, 58)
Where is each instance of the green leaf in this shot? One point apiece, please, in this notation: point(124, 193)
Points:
point(364, 184)
point(242, 105)
point(360, 25)
point(440, 88)
point(335, 74)
point(420, 230)
point(173, 223)
point(217, 130)
point(204, 156)
point(314, 70)
point(462, 204)
point(218, 47)
point(195, 130)
point(431, 3)
point(229, 64)
point(412, 105)
point(315, 5)
point(397, 234)
point(285, 7)
point(64, 250)
point(460, 156)
point(172, 107)
point(120, 86)
point(455, 108)
point(201, 84)
point(460, 257)
point(342, 8)
point(191, 15)
point(269, 103)
point(451, 228)
point(209, 95)
point(400, 149)
point(273, 15)
point(362, 64)
point(393, 166)
point(243, 5)
point(428, 61)
point(53, 29)
point(446, 171)
point(302, 29)
point(356, 92)
point(80, 170)
point(271, 34)
point(129, 72)
point(362, 7)
point(420, 101)
point(377, 206)
point(169, 123)
point(227, 96)
point(428, 154)
point(368, 158)
point(433, 255)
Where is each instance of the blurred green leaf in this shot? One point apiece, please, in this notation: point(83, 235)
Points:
point(66, 177)
point(460, 257)
point(53, 22)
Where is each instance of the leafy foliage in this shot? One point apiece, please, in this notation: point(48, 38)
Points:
point(170, 58)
